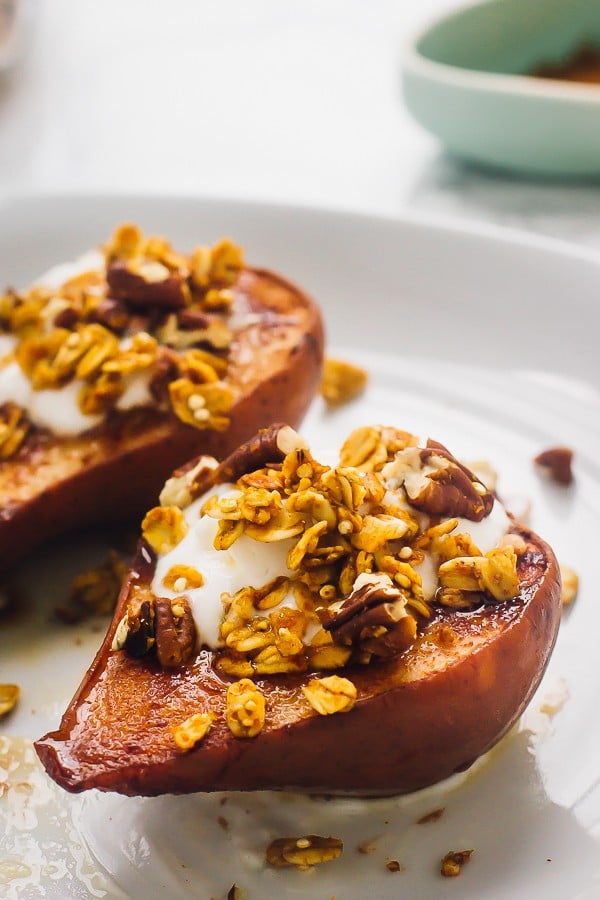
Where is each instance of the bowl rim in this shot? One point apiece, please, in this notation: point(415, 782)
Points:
point(524, 87)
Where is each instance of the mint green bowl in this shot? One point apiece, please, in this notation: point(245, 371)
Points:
point(463, 82)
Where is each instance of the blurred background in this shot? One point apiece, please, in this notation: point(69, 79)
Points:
point(285, 102)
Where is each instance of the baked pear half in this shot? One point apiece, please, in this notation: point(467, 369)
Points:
point(366, 628)
point(121, 366)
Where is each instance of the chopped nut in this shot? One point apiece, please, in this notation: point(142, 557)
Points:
point(341, 381)
point(436, 483)
point(303, 852)
point(434, 816)
point(394, 866)
point(193, 730)
point(9, 696)
point(570, 585)
point(557, 463)
point(175, 631)
point(164, 527)
point(366, 847)
point(235, 893)
point(453, 862)
point(330, 695)
point(245, 709)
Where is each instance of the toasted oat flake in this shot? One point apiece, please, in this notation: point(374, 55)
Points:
point(9, 697)
point(303, 852)
point(164, 527)
point(341, 381)
point(330, 695)
point(193, 730)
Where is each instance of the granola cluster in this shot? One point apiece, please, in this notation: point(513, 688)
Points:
point(146, 312)
point(357, 538)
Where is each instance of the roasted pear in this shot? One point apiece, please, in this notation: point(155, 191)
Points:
point(366, 629)
point(141, 360)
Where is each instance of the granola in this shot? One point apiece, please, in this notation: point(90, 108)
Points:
point(362, 567)
point(102, 330)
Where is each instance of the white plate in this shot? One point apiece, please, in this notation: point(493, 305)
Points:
point(487, 341)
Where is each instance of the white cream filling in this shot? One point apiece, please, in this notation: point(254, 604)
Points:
point(247, 563)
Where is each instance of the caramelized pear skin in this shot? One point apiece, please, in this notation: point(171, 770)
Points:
point(56, 485)
point(420, 716)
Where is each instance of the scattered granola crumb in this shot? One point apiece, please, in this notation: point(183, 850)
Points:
point(556, 462)
point(94, 592)
point(9, 697)
point(366, 847)
point(223, 822)
point(394, 866)
point(303, 852)
point(193, 730)
point(453, 862)
point(433, 816)
point(570, 585)
point(341, 382)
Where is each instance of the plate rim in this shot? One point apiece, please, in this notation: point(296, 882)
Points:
point(442, 223)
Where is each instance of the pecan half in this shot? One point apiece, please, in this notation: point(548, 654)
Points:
point(375, 616)
point(556, 462)
point(175, 631)
point(270, 445)
point(144, 288)
point(438, 484)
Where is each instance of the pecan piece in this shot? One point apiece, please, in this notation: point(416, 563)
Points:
point(111, 313)
point(175, 631)
point(556, 462)
point(270, 445)
point(193, 319)
point(140, 638)
point(375, 615)
point(438, 484)
point(147, 287)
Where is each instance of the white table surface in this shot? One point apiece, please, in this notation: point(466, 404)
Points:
point(281, 100)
